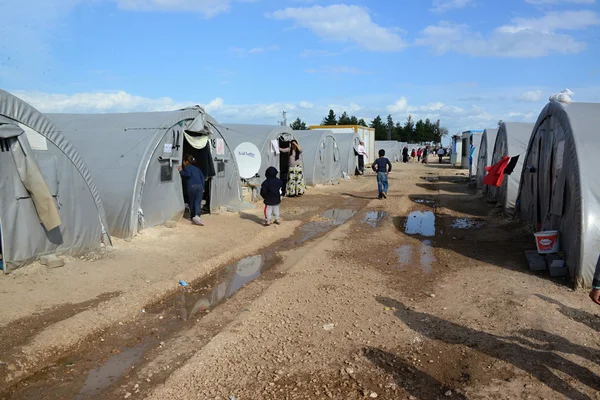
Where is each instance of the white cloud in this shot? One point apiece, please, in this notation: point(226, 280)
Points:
point(440, 6)
point(553, 2)
point(306, 105)
point(239, 51)
point(531, 96)
point(207, 8)
point(344, 23)
point(400, 106)
point(534, 37)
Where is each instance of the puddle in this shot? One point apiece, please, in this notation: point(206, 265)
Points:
point(328, 220)
point(374, 218)
point(113, 369)
point(420, 223)
point(422, 256)
point(466, 223)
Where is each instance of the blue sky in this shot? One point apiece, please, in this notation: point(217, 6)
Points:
point(466, 62)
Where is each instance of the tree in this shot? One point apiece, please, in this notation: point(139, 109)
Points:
point(362, 122)
point(345, 119)
point(298, 125)
point(353, 120)
point(419, 133)
point(380, 128)
point(331, 119)
point(409, 130)
point(389, 127)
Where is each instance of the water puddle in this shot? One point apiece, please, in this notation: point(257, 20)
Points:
point(422, 255)
point(466, 223)
point(425, 201)
point(324, 223)
point(113, 369)
point(420, 223)
point(374, 218)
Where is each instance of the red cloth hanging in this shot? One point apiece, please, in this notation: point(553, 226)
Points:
point(495, 173)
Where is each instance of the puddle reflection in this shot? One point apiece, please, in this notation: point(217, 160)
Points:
point(330, 219)
point(420, 223)
point(374, 218)
point(422, 255)
point(466, 223)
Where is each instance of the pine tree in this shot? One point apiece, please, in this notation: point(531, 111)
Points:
point(353, 120)
point(409, 130)
point(331, 119)
point(361, 122)
point(298, 125)
point(345, 119)
point(390, 127)
point(380, 128)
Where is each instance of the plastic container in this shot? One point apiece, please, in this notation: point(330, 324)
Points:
point(547, 242)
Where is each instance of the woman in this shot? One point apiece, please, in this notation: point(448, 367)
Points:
point(295, 183)
point(405, 154)
point(362, 155)
point(195, 187)
point(425, 154)
point(413, 155)
point(419, 154)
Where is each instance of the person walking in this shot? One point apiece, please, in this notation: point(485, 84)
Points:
point(405, 155)
point(425, 155)
point(195, 187)
point(271, 191)
point(413, 155)
point(383, 167)
point(419, 154)
point(440, 154)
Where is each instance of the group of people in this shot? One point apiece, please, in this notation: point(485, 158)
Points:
point(415, 155)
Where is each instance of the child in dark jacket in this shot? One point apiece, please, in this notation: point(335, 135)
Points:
point(271, 190)
point(195, 187)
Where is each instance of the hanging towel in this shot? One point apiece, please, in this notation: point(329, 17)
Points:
point(511, 165)
point(495, 173)
point(275, 146)
point(197, 142)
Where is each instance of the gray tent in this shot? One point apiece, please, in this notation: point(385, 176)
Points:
point(486, 154)
point(392, 148)
point(133, 158)
point(560, 189)
point(511, 141)
point(321, 157)
point(348, 143)
point(48, 202)
point(262, 136)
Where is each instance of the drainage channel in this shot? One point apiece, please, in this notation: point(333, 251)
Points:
point(101, 368)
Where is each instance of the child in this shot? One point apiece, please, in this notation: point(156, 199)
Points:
point(195, 187)
point(270, 191)
point(383, 167)
point(413, 155)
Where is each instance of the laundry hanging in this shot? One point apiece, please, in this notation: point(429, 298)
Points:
point(197, 142)
point(495, 173)
point(511, 165)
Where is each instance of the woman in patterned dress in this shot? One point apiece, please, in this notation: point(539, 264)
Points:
point(295, 184)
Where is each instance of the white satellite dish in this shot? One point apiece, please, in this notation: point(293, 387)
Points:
point(248, 160)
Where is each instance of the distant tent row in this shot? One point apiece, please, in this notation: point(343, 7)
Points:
point(553, 185)
point(72, 181)
point(392, 148)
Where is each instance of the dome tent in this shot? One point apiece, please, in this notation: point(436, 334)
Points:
point(348, 143)
point(134, 157)
point(559, 188)
point(511, 141)
point(48, 202)
point(392, 148)
point(486, 154)
point(321, 157)
point(262, 136)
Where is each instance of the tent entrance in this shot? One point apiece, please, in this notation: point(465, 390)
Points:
point(204, 161)
point(284, 160)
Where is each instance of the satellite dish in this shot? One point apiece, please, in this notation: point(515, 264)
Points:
point(248, 160)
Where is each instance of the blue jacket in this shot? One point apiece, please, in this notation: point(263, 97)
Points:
point(193, 174)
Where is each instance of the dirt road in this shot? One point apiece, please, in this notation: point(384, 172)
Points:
point(424, 295)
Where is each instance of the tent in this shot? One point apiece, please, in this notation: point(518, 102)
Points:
point(391, 147)
point(348, 143)
point(134, 157)
point(511, 141)
point(485, 156)
point(48, 202)
point(266, 137)
point(321, 157)
point(560, 189)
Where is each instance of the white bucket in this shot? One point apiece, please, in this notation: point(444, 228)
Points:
point(547, 242)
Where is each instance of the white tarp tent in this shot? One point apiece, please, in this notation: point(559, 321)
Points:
point(511, 141)
point(134, 156)
point(48, 202)
point(348, 143)
point(392, 149)
point(486, 154)
point(321, 157)
point(560, 189)
point(265, 137)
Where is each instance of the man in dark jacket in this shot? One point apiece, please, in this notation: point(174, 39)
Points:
point(271, 190)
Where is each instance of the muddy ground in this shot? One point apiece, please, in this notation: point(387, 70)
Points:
point(424, 295)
